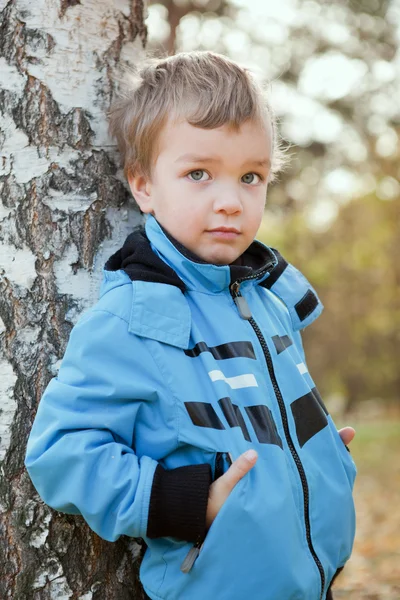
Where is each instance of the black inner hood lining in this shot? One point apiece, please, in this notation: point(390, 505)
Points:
point(138, 260)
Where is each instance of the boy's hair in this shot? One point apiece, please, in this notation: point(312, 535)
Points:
point(205, 88)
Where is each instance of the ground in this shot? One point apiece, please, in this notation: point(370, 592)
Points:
point(373, 571)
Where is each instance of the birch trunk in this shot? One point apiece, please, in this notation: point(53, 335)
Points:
point(64, 209)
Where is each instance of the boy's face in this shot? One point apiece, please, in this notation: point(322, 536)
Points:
point(208, 187)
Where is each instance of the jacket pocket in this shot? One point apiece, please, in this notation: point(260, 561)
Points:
point(255, 542)
point(208, 539)
point(221, 463)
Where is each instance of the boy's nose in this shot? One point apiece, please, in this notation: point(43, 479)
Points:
point(228, 202)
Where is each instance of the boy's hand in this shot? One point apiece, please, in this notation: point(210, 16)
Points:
point(347, 434)
point(222, 487)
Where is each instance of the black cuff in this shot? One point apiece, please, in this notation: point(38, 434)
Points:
point(178, 502)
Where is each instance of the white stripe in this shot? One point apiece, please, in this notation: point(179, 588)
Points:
point(237, 382)
point(302, 368)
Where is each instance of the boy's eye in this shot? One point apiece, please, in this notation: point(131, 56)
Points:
point(251, 175)
point(249, 178)
point(197, 175)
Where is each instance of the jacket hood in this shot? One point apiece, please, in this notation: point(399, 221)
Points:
point(140, 263)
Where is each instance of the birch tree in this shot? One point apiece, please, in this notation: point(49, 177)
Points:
point(64, 209)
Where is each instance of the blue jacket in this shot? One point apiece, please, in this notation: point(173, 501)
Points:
point(178, 369)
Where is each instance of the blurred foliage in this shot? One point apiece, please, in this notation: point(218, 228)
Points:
point(175, 11)
point(353, 347)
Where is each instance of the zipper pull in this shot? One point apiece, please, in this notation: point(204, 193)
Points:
point(243, 307)
point(190, 557)
point(194, 551)
point(240, 301)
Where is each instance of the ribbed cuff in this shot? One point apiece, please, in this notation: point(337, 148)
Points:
point(178, 502)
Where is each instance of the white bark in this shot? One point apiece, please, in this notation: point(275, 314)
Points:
point(64, 208)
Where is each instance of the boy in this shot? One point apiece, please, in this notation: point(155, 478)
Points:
point(192, 356)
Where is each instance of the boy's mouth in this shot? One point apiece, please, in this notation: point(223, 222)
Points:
point(227, 233)
point(233, 229)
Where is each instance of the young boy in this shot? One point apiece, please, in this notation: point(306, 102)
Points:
point(183, 411)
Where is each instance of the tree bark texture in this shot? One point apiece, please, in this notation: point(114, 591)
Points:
point(64, 209)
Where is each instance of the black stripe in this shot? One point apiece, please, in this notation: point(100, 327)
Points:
point(233, 415)
point(276, 271)
point(229, 413)
point(321, 402)
point(264, 425)
point(306, 305)
point(224, 351)
point(309, 417)
point(203, 415)
point(241, 422)
point(281, 342)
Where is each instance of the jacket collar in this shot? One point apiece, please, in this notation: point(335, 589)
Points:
point(197, 275)
point(161, 312)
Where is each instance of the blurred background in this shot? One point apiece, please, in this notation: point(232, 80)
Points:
point(334, 212)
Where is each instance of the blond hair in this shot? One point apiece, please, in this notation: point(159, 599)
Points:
point(207, 89)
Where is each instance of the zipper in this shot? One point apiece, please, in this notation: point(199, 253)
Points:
point(245, 313)
point(194, 551)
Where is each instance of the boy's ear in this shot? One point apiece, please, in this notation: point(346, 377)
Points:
point(141, 191)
